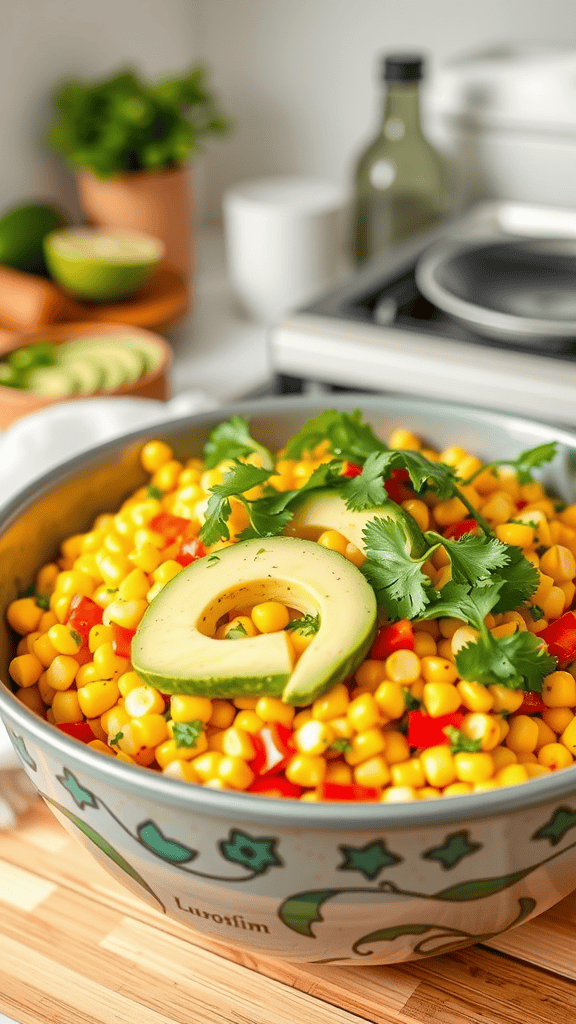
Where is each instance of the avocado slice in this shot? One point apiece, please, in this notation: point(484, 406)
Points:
point(174, 648)
point(326, 510)
point(119, 363)
point(53, 381)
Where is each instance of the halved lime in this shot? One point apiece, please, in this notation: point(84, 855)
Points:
point(101, 264)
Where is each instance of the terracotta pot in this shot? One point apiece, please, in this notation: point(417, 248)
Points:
point(157, 202)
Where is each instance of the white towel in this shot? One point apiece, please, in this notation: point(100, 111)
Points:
point(35, 445)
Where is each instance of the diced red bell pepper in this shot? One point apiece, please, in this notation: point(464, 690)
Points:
point(337, 791)
point(84, 655)
point(521, 503)
point(560, 637)
point(84, 614)
point(189, 551)
point(396, 486)
point(171, 527)
point(122, 640)
point(532, 704)
point(397, 637)
point(352, 469)
point(274, 748)
point(460, 529)
point(275, 786)
point(78, 730)
point(425, 731)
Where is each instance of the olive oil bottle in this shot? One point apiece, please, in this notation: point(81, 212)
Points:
point(400, 185)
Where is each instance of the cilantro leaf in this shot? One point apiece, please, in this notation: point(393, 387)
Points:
point(455, 601)
point(236, 633)
point(241, 478)
point(472, 558)
point(421, 471)
point(308, 625)
point(116, 739)
point(270, 514)
point(185, 734)
point(345, 432)
point(402, 589)
point(517, 661)
point(232, 440)
point(155, 492)
point(521, 580)
point(532, 458)
point(367, 489)
point(411, 703)
point(458, 741)
point(341, 744)
point(43, 601)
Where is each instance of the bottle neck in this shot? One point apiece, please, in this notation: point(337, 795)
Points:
point(401, 110)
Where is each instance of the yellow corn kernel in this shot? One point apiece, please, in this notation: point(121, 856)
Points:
point(403, 667)
point(512, 775)
point(270, 616)
point(438, 670)
point(545, 585)
point(245, 703)
point(235, 772)
point(339, 773)
point(113, 721)
point(184, 771)
point(518, 534)
point(272, 709)
point(559, 690)
point(66, 707)
point(205, 765)
point(370, 673)
point(128, 740)
point(185, 708)
point(558, 718)
point(569, 591)
point(61, 672)
point(473, 767)
point(144, 511)
point(154, 455)
point(408, 773)
point(237, 743)
point(402, 438)
point(64, 639)
point(99, 635)
point(143, 700)
point(97, 697)
point(46, 691)
point(340, 727)
point(134, 586)
point(150, 729)
point(333, 540)
point(479, 726)
point(399, 795)
point(246, 721)
point(372, 772)
point(475, 696)
point(87, 564)
point(440, 699)
point(458, 789)
point(104, 596)
point(559, 563)
point(450, 512)
point(108, 663)
point(166, 476)
point(96, 726)
point(24, 615)
point(25, 644)
point(26, 669)
point(365, 745)
point(504, 629)
point(306, 770)
point(363, 712)
point(419, 511)
point(523, 734)
point(526, 757)
point(113, 567)
point(505, 699)
point(75, 581)
point(87, 673)
point(30, 697)
point(48, 619)
point(568, 737)
point(146, 557)
point(555, 756)
point(354, 555)
point(223, 714)
point(390, 699)
point(424, 644)
point(166, 571)
point(499, 508)
point(101, 746)
point(333, 704)
point(438, 765)
point(46, 578)
point(314, 737)
point(545, 734)
point(125, 613)
point(444, 650)
point(397, 748)
point(503, 756)
point(535, 771)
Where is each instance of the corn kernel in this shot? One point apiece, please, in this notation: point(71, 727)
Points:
point(235, 772)
point(479, 726)
point(440, 699)
point(523, 734)
point(473, 767)
point(390, 699)
point(438, 670)
point(125, 613)
point(143, 700)
point(512, 775)
point(558, 718)
point(517, 534)
point(64, 639)
point(237, 743)
point(184, 771)
point(365, 745)
point(399, 795)
point(306, 770)
point(66, 707)
point(26, 669)
point(314, 737)
point(146, 557)
point(505, 699)
point(397, 748)
point(184, 708)
point(373, 772)
point(97, 697)
point(424, 644)
point(555, 756)
point(408, 773)
point(438, 765)
point(363, 712)
point(333, 704)
point(559, 690)
point(559, 563)
point(61, 673)
point(150, 729)
point(272, 709)
point(24, 615)
point(206, 765)
point(370, 673)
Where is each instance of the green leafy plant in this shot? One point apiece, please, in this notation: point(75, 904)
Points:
point(125, 124)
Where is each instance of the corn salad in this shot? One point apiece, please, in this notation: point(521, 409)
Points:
point(379, 735)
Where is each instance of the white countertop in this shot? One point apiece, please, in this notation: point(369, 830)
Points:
point(217, 348)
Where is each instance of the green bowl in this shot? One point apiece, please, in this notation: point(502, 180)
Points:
point(327, 883)
point(101, 265)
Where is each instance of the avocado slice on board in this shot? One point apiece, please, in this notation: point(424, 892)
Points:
point(326, 510)
point(175, 650)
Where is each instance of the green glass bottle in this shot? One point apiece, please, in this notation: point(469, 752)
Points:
point(400, 185)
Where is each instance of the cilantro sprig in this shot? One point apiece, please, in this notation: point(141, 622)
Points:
point(345, 433)
point(524, 464)
point(233, 440)
point(460, 742)
point(307, 625)
point(236, 633)
point(186, 734)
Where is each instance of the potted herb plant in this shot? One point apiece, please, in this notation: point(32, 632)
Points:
point(131, 144)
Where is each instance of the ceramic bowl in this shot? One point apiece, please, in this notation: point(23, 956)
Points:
point(324, 883)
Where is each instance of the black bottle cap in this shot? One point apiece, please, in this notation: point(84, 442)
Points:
point(402, 68)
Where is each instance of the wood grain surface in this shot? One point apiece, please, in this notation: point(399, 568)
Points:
point(77, 948)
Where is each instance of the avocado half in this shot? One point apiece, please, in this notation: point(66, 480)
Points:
point(175, 650)
point(326, 510)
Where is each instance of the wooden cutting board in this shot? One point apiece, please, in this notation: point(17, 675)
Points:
point(76, 948)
